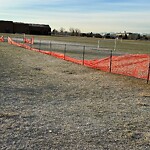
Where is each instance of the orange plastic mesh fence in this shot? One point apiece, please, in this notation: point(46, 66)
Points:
point(2, 39)
point(136, 65)
point(29, 41)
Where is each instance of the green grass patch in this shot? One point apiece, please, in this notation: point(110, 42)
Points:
point(127, 46)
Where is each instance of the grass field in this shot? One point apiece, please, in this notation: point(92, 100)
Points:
point(127, 46)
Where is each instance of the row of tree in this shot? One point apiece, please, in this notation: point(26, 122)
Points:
point(62, 31)
point(77, 32)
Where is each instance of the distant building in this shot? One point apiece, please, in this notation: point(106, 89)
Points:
point(39, 29)
point(18, 27)
point(21, 28)
point(6, 26)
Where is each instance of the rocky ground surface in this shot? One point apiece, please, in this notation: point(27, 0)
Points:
point(48, 103)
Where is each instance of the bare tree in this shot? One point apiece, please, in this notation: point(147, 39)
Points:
point(54, 32)
point(72, 31)
point(62, 30)
point(75, 31)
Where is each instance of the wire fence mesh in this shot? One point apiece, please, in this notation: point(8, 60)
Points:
point(136, 65)
point(74, 51)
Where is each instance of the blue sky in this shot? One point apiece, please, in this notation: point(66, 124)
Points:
point(86, 15)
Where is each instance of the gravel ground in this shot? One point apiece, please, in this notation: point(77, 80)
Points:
point(47, 103)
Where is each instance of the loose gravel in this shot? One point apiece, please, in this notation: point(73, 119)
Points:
point(47, 103)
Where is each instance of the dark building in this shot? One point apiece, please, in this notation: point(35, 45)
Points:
point(6, 26)
point(21, 28)
point(16, 27)
point(39, 29)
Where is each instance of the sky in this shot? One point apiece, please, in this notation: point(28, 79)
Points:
point(95, 16)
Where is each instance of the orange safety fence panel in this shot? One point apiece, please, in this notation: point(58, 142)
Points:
point(2, 39)
point(29, 41)
point(10, 41)
point(136, 65)
point(62, 56)
point(101, 64)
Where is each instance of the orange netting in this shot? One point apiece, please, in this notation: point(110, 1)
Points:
point(2, 39)
point(136, 65)
point(29, 41)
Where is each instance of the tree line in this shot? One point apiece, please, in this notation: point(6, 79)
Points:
point(62, 31)
point(77, 32)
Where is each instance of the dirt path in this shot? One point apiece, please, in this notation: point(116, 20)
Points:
point(47, 103)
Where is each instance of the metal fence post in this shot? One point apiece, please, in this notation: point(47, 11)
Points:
point(40, 45)
point(65, 51)
point(115, 44)
point(50, 45)
point(148, 73)
point(110, 66)
point(24, 36)
point(83, 54)
point(30, 46)
point(98, 44)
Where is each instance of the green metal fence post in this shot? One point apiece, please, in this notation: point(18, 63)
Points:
point(50, 46)
point(83, 54)
point(65, 51)
point(40, 45)
point(148, 73)
point(110, 66)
